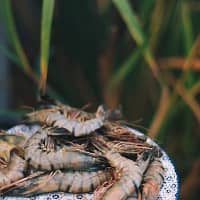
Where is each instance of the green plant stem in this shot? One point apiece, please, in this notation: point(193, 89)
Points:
point(47, 15)
point(137, 34)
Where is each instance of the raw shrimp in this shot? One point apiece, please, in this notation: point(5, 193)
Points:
point(12, 139)
point(116, 131)
point(77, 122)
point(7, 148)
point(13, 171)
point(130, 172)
point(42, 153)
point(65, 181)
point(153, 180)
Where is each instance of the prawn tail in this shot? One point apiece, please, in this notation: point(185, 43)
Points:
point(27, 188)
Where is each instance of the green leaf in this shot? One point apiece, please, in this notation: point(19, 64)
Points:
point(188, 35)
point(7, 16)
point(188, 40)
point(8, 53)
point(131, 20)
point(47, 15)
point(136, 32)
point(124, 69)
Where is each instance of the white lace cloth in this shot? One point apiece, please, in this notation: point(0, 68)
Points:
point(169, 190)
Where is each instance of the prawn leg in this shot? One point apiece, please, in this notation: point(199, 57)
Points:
point(130, 172)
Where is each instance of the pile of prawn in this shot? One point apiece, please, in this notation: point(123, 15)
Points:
point(77, 152)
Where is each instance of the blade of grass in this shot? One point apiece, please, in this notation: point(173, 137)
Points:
point(188, 41)
point(162, 110)
point(133, 26)
point(131, 20)
point(11, 56)
point(124, 69)
point(7, 15)
point(179, 106)
point(188, 99)
point(47, 15)
point(191, 55)
point(189, 96)
point(20, 58)
point(156, 24)
point(179, 63)
point(195, 89)
point(160, 116)
point(136, 32)
point(185, 64)
point(186, 96)
point(188, 36)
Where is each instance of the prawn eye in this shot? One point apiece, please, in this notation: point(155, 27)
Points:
point(145, 155)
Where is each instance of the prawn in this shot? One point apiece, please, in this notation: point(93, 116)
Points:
point(153, 179)
point(42, 153)
point(7, 146)
point(76, 122)
point(130, 172)
point(65, 181)
point(116, 131)
point(12, 139)
point(12, 171)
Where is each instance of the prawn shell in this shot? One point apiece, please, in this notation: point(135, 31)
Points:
point(64, 181)
point(130, 172)
point(13, 171)
point(78, 124)
point(153, 180)
point(59, 158)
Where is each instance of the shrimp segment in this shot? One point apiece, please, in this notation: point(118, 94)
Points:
point(65, 181)
point(75, 127)
point(13, 171)
point(56, 157)
point(8, 144)
point(131, 173)
point(75, 121)
point(153, 180)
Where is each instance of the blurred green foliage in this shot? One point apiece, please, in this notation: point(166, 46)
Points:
point(143, 55)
